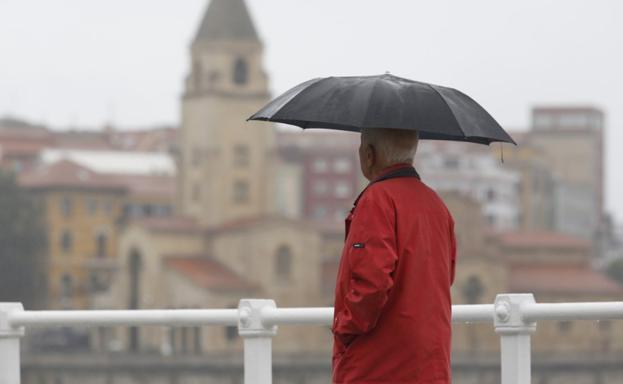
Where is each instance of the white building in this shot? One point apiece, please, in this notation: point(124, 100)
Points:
point(474, 171)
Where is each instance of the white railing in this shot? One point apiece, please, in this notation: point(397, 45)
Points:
point(514, 317)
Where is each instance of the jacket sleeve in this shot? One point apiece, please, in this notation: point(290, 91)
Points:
point(372, 258)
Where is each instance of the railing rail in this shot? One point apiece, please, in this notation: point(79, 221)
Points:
point(514, 317)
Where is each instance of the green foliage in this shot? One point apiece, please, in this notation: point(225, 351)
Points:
point(22, 246)
point(615, 270)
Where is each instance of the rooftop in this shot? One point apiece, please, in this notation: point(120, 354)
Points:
point(227, 20)
point(207, 273)
point(564, 279)
point(68, 174)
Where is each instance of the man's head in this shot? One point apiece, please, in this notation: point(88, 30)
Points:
point(381, 148)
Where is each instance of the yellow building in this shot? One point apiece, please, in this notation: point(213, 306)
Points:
point(81, 212)
point(84, 213)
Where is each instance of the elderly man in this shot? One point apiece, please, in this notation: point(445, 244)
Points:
point(392, 321)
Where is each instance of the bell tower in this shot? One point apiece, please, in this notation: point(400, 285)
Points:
point(225, 163)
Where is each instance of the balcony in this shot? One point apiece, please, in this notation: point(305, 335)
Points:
point(513, 316)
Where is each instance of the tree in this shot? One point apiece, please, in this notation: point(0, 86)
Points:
point(22, 246)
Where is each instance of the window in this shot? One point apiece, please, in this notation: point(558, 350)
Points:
point(66, 242)
point(320, 166)
point(66, 286)
point(92, 206)
point(491, 220)
point(241, 156)
point(196, 192)
point(163, 210)
point(490, 195)
point(241, 191)
point(564, 326)
point(231, 333)
point(101, 245)
point(241, 71)
point(321, 187)
point(135, 264)
point(343, 190)
point(542, 121)
point(196, 337)
point(283, 263)
point(66, 206)
point(472, 290)
point(605, 325)
point(342, 214)
point(342, 165)
point(319, 212)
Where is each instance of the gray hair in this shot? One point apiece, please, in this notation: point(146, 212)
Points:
point(395, 145)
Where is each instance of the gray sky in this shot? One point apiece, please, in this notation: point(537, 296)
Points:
point(82, 63)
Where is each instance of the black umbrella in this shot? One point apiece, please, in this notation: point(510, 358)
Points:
point(385, 101)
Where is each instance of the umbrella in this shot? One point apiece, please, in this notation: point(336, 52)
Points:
point(385, 101)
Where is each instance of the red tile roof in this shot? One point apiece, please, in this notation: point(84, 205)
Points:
point(257, 221)
point(67, 174)
point(565, 279)
point(541, 239)
point(21, 148)
point(82, 139)
point(208, 273)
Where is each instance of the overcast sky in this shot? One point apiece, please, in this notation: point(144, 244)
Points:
point(83, 63)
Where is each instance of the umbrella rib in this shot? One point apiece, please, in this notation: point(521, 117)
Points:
point(450, 109)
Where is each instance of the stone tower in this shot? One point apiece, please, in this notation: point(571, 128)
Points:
point(225, 163)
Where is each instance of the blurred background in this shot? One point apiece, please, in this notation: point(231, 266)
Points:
point(130, 180)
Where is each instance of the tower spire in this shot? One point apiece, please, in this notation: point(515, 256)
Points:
point(227, 20)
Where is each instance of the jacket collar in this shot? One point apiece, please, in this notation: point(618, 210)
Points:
point(389, 173)
point(390, 169)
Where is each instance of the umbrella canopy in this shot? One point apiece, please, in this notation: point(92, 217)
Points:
point(385, 101)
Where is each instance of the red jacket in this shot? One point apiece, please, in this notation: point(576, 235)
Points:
point(392, 321)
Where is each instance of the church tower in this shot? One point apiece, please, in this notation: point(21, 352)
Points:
point(225, 162)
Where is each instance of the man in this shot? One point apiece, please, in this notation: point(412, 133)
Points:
point(392, 321)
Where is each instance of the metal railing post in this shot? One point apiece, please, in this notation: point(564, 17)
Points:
point(514, 337)
point(258, 365)
point(9, 345)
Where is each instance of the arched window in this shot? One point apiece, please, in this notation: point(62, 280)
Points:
point(134, 268)
point(283, 263)
point(473, 290)
point(101, 244)
point(231, 331)
point(66, 241)
point(241, 71)
point(66, 206)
